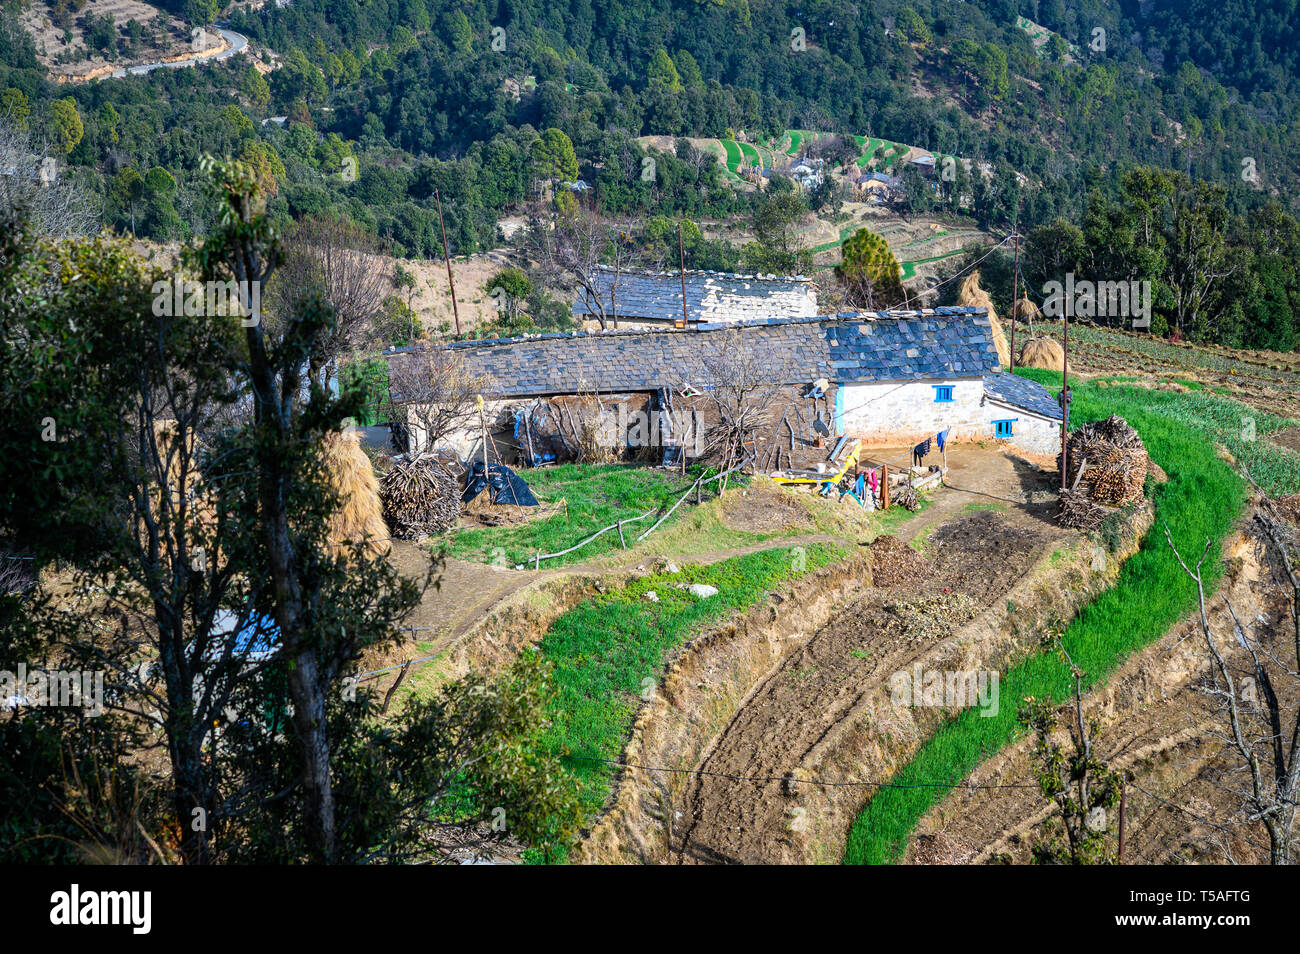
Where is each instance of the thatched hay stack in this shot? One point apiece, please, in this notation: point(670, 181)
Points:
point(1042, 353)
point(1113, 461)
point(420, 497)
point(179, 477)
point(1026, 310)
point(971, 295)
point(360, 516)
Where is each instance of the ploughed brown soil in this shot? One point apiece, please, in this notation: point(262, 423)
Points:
point(735, 810)
point(1288, 438)
point(1156, 727)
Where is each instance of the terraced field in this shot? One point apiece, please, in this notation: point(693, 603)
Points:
point(1267, 380)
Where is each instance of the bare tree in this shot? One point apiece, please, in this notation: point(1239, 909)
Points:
point(1077, 779)
point(1259, 731)
point(16, 574)
point(30, 178)
point(743, 394)
point(438, 393)
point(570, 246)
point(339, 260)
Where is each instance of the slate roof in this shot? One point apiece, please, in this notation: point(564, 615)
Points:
point(1022, 393)
point(847, 348)
point(710, 296)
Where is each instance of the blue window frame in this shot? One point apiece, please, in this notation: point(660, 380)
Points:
point(1003, 428)
point(942, 393)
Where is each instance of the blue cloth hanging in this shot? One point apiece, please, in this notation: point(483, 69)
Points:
point(943, 437)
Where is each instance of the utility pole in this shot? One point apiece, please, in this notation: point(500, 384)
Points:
point(446, 253)
point(1065, 388)
point(681, 252)
point(482, 422)
point(1015, 283)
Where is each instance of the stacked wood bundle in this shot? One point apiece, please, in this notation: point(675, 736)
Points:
point(1080, 512)
point(907, 498)
point(420, 497)
point(1106, 462)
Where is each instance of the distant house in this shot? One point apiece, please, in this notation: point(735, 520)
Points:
point(808, 172)
point(578, 185)
point(893, 377)
point(924, 163)
point(877, 186)
point(647, 299)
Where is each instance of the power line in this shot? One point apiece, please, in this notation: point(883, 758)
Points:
point(800, 781)
point(1203, 820)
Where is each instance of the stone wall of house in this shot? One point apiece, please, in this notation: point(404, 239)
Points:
point(906, 411)
point(902, 412)
point(1030, 432)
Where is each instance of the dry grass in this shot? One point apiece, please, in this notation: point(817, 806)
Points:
point(972, 295)
point(360, 517)
point(1042, 353)
point(1026, 310)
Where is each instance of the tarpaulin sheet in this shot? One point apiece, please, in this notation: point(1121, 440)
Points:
point(504, 486)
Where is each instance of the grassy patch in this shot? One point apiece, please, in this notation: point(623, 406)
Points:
point(609, 650)
point(596, 496)
point(1201, 500)
point(1238, 427)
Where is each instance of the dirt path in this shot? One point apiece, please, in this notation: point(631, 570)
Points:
point(466, 592)
point(793, 718)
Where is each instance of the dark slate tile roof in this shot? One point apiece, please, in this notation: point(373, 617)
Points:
point(710, 296)
point(1022, 393)
point(846, 348)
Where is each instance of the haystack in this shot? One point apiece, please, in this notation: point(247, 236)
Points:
point(1026, 310)
point(971, 295)
point(420, 497)
point(182, 480)
point(1042, 353)
point(360, 516)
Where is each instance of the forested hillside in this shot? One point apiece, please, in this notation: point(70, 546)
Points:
point(387, 101)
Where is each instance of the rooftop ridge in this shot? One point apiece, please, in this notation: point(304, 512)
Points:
point(705, 273)
point(893, 314)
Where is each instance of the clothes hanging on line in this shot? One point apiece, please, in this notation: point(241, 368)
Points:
point(920, 451)
point(942, 438)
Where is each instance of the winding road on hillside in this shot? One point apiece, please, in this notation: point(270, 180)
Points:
point(236, 43)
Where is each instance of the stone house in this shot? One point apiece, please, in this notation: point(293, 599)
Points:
point(888, 378)
point(646, 299)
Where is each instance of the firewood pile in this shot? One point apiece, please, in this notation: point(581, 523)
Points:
point(905, 497)
point(1106, 462)
point(1080, 512)
point(420, 497)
